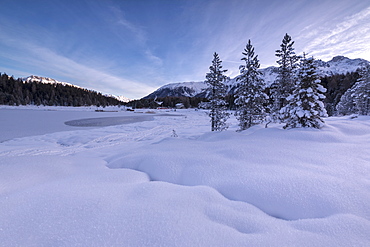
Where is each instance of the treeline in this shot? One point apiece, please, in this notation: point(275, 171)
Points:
point(336, 86)
point(168, 102)
point(16, 92)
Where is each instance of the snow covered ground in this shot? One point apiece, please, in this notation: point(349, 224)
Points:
point(134, 184)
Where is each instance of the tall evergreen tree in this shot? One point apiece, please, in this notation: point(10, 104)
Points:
point(305, 107)
point(216, 92)
point(284, 84)
point(250, 98)
point(362, 91)
point(357, 98)
point(346, 105)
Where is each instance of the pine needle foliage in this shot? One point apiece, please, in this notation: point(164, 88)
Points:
point(250, 98)
point(305, 107)
point(284, 84)
point(216, 91)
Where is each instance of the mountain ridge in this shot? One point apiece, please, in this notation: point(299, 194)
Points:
point(337, 65)
point(47, 80)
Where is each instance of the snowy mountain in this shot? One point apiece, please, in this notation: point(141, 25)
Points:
point(120, 98)
point(337, 65)
point(340, 65)
point(182, 89)
point(45, 80)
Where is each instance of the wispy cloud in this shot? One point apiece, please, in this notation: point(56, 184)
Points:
point(119, 46)
point(120, 20)
point(48, 62)
point(138, 32)
point(349, 37)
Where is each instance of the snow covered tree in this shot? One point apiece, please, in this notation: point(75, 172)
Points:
point(250, 98)
point(305, 107)
point(284, 84)
point(346, 105)
point(362, 91)
point(216, 92)
point(357, 98)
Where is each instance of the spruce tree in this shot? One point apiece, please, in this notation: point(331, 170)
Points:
point(305, 107)
point(346, 105)
point(216, 92)
point(362, 91)
point(284, 84)
point(250, 98)
point(357, 98)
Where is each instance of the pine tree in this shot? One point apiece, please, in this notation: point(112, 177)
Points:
point(250, 98)
point(217, 91)
point(346, 105)
point(362, 91)
point(305, 107)
point(357, 98)
point(284, 84)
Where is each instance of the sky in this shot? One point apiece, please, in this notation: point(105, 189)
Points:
point(132, 47)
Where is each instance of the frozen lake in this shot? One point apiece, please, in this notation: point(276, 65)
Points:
point(16, 123)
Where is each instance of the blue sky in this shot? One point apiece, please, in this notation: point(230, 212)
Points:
point(132, 47)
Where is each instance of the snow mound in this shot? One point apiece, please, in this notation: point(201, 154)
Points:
point(283, 182)
point(135, 185)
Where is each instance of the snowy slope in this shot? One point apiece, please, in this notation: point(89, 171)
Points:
point(135, 185)
point(47, 80)
point(123, 98)
point(341, 65)
point(186, 89)
point(338, 65)
point(120, 98)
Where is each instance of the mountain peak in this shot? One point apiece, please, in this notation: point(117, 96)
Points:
point(46, 80)
point(339, 59)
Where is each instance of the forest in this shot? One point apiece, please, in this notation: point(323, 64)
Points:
point(16, 92)
point(336, 86)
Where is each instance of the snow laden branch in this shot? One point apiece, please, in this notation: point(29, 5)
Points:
point(356, 100)
point(305, 107)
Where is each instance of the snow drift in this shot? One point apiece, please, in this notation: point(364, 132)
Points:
point(135, 185)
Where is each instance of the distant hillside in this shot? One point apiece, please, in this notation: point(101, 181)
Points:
point(338, 65)
point(35, 90)
point(337, 76)
point(47, 80)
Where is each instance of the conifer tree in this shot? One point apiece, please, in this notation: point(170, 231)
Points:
point(305, 107)
point(284, 84)
point(216, 92)
point(357, 98)
point(250, 98)
point(362, 91)
point(346, 105)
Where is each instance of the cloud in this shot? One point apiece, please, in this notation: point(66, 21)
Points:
point(156, 60)
point(120, 20)
point(349, 37)
point(44, 60)
point(138, 31)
